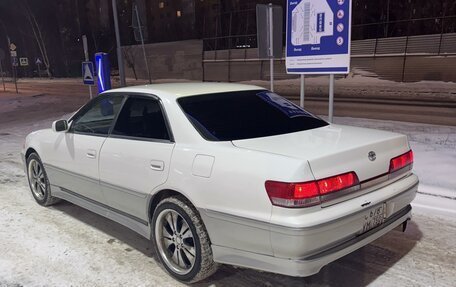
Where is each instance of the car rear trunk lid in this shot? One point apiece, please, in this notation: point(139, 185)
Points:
point(336, 149)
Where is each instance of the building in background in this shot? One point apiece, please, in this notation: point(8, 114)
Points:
point(221, 24)
point(174, 20)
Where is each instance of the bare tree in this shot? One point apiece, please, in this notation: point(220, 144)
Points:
point(130, 58)
point(36, 29)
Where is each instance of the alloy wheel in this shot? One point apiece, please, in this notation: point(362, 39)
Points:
point(175, 241)
point(37, 179)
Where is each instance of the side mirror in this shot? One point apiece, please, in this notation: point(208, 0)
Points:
point(60, 126)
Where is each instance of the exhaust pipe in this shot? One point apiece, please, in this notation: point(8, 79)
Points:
point(403, 226)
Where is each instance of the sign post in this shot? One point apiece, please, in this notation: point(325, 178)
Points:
point(271, 45)
point(138, 27)
point(331, 98)
point(318, 40)
point(301, 94)
point(269, 33)
point(1, 72)
point(2, 57)
point(120, 62)
point(86, 56)
point(38, 63)
point(14, 62)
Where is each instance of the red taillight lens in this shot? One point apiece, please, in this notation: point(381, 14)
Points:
point(401, 161)
point(307, 193)
point(292, 194)
point(336, 183)
point(305, 190)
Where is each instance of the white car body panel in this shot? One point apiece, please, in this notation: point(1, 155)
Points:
point(73, 153)
point(331, 149)
point(225, 181)
point(147, 165)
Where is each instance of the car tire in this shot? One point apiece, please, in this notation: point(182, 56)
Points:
point(39, 182)
point(174, 222)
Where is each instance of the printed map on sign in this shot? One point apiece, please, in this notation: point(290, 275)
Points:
point(311, 20)
point(318, 36)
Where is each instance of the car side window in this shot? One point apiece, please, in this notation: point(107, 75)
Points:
point(98, 118)
point(142, 117)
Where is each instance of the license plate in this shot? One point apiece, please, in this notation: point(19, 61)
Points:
point(375, 217)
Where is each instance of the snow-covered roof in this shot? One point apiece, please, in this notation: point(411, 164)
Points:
point(176, 90)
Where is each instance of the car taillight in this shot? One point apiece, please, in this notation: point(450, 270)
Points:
point(402, 161)
point(336, 183)
point(309, 193)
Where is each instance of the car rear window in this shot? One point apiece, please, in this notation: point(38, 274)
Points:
point(246, 114)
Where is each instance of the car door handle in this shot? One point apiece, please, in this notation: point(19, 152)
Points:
point(157, 165)
point(91, 153)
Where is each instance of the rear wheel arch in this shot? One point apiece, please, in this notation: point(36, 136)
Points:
point(29, 151)
point(165, 193)
point(167, 201)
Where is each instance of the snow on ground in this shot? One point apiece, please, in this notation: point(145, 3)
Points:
point(434, 149)
point(67, 245)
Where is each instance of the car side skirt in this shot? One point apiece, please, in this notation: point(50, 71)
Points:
point(136, 224)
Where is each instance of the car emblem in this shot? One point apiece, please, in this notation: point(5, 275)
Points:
point(371, 155)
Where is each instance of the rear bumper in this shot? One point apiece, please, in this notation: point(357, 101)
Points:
point(312, 264)
point(303, 250)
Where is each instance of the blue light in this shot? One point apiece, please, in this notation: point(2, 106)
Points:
point(103, 72)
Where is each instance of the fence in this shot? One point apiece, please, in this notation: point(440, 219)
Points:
point(395, 52)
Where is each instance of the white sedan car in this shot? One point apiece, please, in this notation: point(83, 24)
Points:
point(225, 173)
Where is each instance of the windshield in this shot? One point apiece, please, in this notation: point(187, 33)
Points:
point(246, 114)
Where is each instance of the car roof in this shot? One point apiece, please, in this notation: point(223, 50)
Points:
point(177, 90)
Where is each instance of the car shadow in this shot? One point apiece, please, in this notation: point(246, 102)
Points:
point(359, 268)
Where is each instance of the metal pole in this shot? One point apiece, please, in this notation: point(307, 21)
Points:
point(405, 59)
point(15, 78)
point(86, 56)
point(229, 47)
point(13, 67)
point(142, 43)
point(331, 98)
point(387, 18)
point(1, 72)
point(119, 51)
point(301, 102)
point(271, 47)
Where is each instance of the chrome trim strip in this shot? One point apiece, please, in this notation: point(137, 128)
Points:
point(377, 182)
point(401, 171)
point(374, 181)
point(333, 195)
point(139, 220)
point(115, 136)
point(360, 237)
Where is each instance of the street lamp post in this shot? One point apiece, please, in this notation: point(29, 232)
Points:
point(120, 62)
